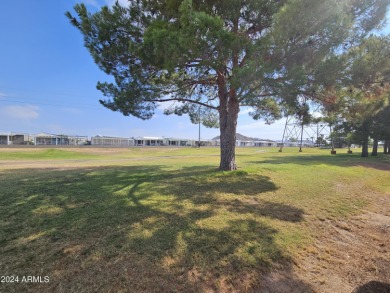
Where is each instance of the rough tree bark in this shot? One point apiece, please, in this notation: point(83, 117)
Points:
point(375, 147)
point(365, 135)
point(365, 147)
point(228, 142)
point(386, 146)
point(228, 115)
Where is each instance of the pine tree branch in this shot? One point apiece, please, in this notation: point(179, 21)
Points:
point(184, 100)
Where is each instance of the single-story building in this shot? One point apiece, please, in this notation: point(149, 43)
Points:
point(4, 139)
point(161, 141)
point(265, 143)
point(203, 143)
point(149, 141)
point(77, 140)
point(288, 143)
point(111, 141)
point(50, 139)
point(15, 138)
point(178, 142)
point(245, 141)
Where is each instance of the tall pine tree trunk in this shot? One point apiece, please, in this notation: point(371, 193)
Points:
point(365, 147)
point(228, 143)
point(375, 147)
point(228, 114)
point(386, 146)
point(365, 135)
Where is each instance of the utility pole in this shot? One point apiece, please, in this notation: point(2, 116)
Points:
point(199, 129)
point(300, 145)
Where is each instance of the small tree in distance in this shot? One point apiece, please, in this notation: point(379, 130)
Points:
point(220, 55)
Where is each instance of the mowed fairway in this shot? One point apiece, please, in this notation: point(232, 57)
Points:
point(165, 220)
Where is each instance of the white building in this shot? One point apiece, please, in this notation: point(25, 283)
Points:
point(265, 143)
point(288, 143)
point(149, 141)
point(13, 138)
point(50, 139)
point(77, 140)
point(244, 141)
point(161, 141)
point(179, 142)
point(100, 140)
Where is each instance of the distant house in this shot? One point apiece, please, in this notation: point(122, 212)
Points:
point(265, 143)
point(4, 139)
point(77, 140)
point(296, 143)
point(15, 138)
point(149, 141)
point(100, 140)
point(179, 142)
point(245, 141)
point(204, 143)
point(51, 139)
point(161, 141)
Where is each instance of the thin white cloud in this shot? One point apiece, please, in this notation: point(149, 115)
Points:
point(183, 125)
point(260, 124)
point(261, 130)
point(27, 112)
point(166, 105)
point(100, 3)
point(135, 132)
point(72, 111)
point(56, 128)
point(93, 3)
point(245, 111)
point(124, 3)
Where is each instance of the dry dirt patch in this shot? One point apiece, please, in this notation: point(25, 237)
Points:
point(350, 252)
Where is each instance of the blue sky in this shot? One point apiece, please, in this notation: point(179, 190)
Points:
point(48, 81)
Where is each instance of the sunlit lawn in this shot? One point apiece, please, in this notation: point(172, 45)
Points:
point(165, 220)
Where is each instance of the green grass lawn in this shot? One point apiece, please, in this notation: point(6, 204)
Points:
point(101, 153)
point(44, 154)
point(165, 220)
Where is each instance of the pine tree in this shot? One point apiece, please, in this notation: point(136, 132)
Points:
point(219, 55)
point(360, 93)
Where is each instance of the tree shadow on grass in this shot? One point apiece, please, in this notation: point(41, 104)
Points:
point(206, 188)
point(157, 230)
point(340, 160)
point(267, 209)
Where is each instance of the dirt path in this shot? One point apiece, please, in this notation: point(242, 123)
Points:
point(348, 254)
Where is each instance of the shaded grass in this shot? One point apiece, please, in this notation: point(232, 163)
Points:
point(173, 224)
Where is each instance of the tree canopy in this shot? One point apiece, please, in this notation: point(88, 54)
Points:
point(361, 93)
point(222, 55)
